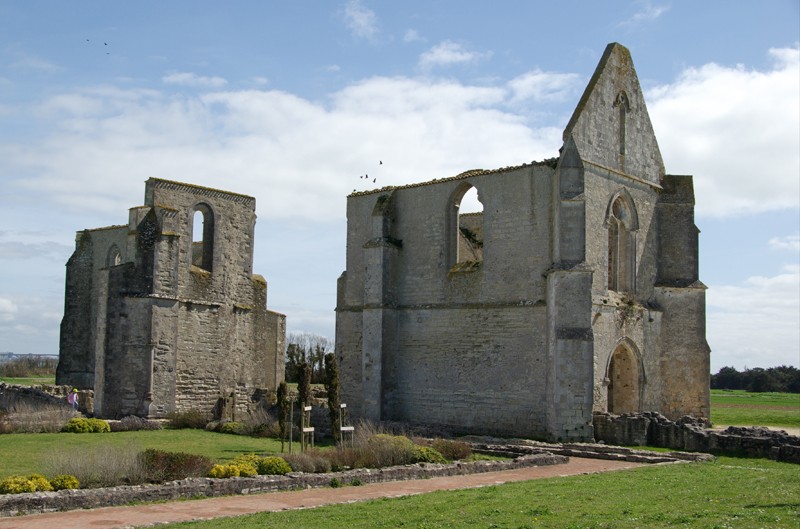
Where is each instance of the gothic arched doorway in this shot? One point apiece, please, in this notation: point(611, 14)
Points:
point(625, 381)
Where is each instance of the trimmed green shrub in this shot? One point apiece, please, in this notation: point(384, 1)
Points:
point(232, 427)
point(188, 419)
point(273, 465)
point(247, 470)
point(452, 450)
point(132, 423)
point(387, 450)
point(160, 465)
point(427, 454)
point(84, 425)
point(16, 485)
point(224, 471)
point(251, 459)
point(309, 462)
point(20, 484)
point(64, 482)
point(40, 482)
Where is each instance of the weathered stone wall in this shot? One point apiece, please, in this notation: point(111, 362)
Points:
point(574, 307)
point(422, 341)
point(83, 328)
point(174, 334)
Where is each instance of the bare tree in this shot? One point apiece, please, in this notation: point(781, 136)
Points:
point(306, 347)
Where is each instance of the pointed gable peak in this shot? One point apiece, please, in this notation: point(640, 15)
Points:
point(610, 125)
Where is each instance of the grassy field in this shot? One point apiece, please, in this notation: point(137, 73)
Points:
point(22, 454)
point(740, 408)
point(729, 493)
point(29, 381)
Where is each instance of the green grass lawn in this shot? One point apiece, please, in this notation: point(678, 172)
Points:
point(729, 493)
point(740, 408)
point(28, 381)
point(22, 454)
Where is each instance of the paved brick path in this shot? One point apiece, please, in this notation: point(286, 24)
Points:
point(181, 511)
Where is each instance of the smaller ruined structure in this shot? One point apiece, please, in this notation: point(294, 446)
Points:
point(164, 314)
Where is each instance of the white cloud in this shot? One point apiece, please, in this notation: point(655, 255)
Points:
point(8, 310)
point(543, 87)
point(790, 242)
point(17, 250)
point(299, 158)
point(35, 64)
point(737, 131)
point(647, 13)
point(412, 35)
point(28, 322)
point(755, 324)
point(448, 53)
point(191, 79)
point(360, 20)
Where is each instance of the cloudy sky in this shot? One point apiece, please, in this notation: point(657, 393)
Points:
point(291, 102)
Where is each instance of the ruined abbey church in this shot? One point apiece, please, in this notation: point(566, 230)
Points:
point(164, 314)
point(575, 291)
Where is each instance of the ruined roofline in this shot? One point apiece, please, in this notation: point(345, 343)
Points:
point(105, 228)
point(473, 214)
point(550, 162)
point(156, 183)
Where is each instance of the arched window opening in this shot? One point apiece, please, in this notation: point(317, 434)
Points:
point(470, 227)
point(624, 381)
point(203, 237)
point(621, 246)
point(114, 256)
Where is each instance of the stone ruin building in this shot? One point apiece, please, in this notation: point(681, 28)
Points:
point(575, 291)
point(164, 314)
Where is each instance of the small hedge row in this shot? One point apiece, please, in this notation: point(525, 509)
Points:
point(251, 465)
point(37, 483)
point(84, 425)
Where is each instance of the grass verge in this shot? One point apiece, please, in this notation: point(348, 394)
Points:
point(23, 454)
point(708, 495)
point(740, 408)
point(29, 381)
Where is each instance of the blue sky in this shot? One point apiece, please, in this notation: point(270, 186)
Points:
point(290, 102)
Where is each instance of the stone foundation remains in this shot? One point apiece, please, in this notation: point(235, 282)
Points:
point(653, 429)
point(11, 395)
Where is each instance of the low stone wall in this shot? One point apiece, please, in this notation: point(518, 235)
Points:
point(12, 394)
point(690, 434)
point(38, 502)
point(517, 447)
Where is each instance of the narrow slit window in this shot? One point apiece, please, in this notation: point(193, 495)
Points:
point(203, 237)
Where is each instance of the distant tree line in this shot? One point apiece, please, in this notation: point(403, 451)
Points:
point(784, 379)
point(306, 348)
point(29, 366)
